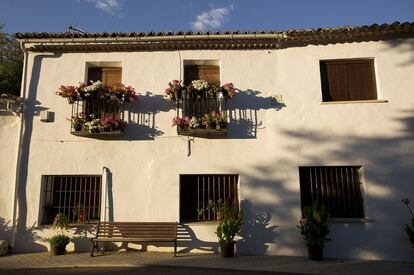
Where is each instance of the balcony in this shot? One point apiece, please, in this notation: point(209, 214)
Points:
point(201, 108)
point(97, 109)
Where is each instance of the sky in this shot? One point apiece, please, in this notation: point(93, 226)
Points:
point(176, 15)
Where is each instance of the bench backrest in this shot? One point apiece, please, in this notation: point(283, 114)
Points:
point(138, 230)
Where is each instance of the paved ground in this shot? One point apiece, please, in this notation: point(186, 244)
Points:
point(115, 262)
point(148, 270)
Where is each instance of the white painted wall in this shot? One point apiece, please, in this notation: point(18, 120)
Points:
point(145, 172)
point(9, 129)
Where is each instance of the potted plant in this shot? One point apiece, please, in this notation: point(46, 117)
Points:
point(314, 229)
point(228, 228)
point(409, 230)
point(58, 242)
point(174, 89)
point(69, 92)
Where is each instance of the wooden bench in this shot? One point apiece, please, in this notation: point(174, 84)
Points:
point(135, 232)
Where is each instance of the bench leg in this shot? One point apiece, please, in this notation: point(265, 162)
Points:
point(94, 245)
point(175, 248)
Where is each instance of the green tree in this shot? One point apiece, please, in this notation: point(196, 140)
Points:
point(11, 64)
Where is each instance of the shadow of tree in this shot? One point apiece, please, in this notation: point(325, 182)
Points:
point(256, 231)
point(388, 168)
point(403, 46)
point(5, 229)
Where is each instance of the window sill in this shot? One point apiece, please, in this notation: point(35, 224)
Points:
point(201, 223)
point(101, 135)
point(350, 220)
point(354, 102)
point(206, 133)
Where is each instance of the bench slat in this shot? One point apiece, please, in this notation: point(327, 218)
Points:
point(136, 232)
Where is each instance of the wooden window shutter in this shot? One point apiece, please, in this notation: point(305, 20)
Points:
point(112, 76)
point(109, 76)
point(345, 80)
point(209, 73)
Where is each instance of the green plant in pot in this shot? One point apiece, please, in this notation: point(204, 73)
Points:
point(409, 229)
point(314, 229)
point(229, 227)
point(58, 242)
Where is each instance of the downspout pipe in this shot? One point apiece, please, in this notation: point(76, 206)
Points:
point(23, 94)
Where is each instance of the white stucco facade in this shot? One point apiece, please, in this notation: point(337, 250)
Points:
point(265, 146)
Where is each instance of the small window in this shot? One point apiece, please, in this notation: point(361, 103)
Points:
point(103, 108)
point(209, 73)
point(201, 195)
point(78, 197)
point(348, 80)
point(340, 187)
point(110, 76)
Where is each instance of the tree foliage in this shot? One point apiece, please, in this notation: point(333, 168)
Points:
point(11, 64)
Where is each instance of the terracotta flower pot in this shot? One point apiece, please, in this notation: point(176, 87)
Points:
point(227, 249)
point(315, 252)
point(57, 250)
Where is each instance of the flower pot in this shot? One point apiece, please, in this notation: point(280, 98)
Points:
point(78, 128)
point(57, 250)
point(227, 249)
point(315, 252)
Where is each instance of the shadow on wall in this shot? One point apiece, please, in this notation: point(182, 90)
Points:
point(82, 238)
point(402, 46)
point(141, 116)
point(256, 231)
point(5, 229)
point(187, 238)
point(388, 165)
point(25, 235)
point(243, 111)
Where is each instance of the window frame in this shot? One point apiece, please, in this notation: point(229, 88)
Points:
point(98, 203)
point(186, 220)
point(324, 80)
point(362, 190)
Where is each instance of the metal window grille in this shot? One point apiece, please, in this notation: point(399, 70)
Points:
point(78, 197)
point(98, 108)
point(199, 194)
point(340, 187)
point(198, 106)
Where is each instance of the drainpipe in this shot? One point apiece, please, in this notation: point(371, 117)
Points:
point(20, 146)
point(104, 196)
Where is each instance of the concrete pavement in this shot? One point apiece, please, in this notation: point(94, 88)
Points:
point(278, 264)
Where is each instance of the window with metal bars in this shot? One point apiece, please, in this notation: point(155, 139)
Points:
point(201, 195)
point(340, 187)
point(78, 197)
point(348, 80)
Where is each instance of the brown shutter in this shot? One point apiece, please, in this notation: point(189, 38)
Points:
point(361, 80)
point(112, 76)
point(209, 73)
point(109, 76)
point(344, 80)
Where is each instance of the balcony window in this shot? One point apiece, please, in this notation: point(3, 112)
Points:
point(201, 101)
point(98, 105)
